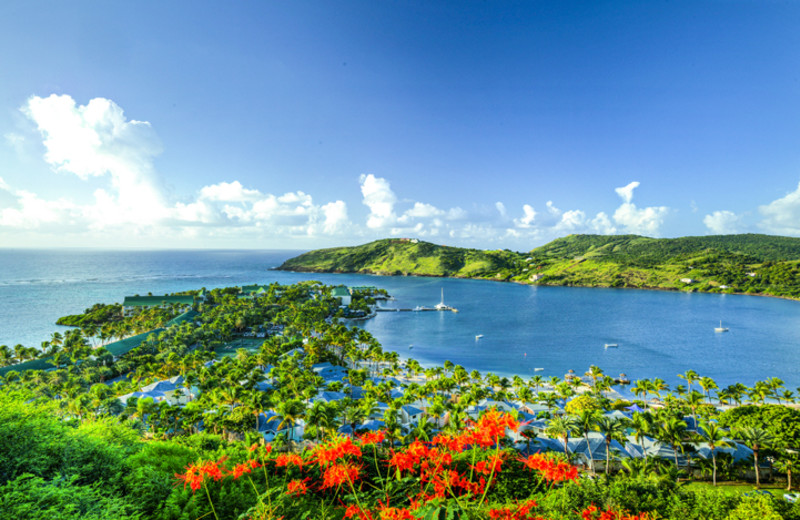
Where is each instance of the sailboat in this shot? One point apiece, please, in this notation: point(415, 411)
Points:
point(720, 328)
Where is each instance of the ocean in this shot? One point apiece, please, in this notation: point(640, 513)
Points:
point(501, 328)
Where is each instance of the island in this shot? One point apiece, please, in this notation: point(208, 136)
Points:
point(747, 263)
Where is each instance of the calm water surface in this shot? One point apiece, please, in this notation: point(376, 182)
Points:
point(660, 334)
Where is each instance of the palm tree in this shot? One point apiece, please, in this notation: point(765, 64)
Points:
point(640, 388)
point(714, 436)
point(690, 376)
point(694, 399)
point(707, 384)
point(755, 438)
point(612, 429)
point(585, 422)
point(672, 431)
point(642, 425)
point(560, 427)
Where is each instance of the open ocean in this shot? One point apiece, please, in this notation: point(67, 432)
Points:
point(660, 334)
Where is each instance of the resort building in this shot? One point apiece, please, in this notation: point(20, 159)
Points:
point(342, 293)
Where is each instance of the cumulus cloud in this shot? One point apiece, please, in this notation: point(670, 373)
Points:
point(640, 221)
point(782, 216)
point(228, 192)
point(528, 217)
point(95, 140)
point(722, 222)
point(380, 199)
point(626, 192)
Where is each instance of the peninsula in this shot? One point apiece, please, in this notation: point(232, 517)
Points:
point(747, 263)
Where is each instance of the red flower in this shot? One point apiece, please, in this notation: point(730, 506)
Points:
point(284, 459)
point(338, 474)
point(197, 473)
point(297, 487)
point(335, 450)
point(372, 438)
point(241, 469)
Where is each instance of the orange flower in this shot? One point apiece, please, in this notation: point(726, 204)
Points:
point(196, 474)
point(297, 487)
point(372, 438)
point(284, 459)
point(240, 469)
point(335, 450)
point(338, 474)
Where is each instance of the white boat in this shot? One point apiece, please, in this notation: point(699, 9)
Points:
point(538, 369)
point(611, 345)
point(479, 336)
point(720, 328)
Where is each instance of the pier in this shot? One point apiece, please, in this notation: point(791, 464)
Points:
point(418, 309)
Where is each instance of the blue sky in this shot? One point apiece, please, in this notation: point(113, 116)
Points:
point(308, 124)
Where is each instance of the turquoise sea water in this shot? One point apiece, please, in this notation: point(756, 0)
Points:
point(660, 334)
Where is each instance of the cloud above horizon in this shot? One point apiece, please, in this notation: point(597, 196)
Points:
point(782, 216)
point(98, 145)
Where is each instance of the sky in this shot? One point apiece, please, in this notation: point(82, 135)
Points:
point(298, 125)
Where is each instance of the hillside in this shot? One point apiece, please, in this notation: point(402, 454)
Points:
point(409, 257)
point(753, 264)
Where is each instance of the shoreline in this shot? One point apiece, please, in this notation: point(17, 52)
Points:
point(518, 282)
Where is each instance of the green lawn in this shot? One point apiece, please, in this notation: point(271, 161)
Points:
point(738, 488)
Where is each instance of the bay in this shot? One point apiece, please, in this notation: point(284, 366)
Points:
point(522, 328)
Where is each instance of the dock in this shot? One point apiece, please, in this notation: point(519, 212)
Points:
point(418, 309)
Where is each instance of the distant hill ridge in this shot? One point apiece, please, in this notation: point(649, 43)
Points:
point(749, 263)
point(759, 248)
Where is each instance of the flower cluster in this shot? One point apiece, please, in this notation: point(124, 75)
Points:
point(593, 513)
point(551, 469)
point(519, 512)
point(450, 469)
point(196, 474)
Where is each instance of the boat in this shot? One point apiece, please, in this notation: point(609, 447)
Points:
point(720, 328)
point(479, 336)
point(611, 345)
point(538, 369)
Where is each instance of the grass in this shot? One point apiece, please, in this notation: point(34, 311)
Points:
point(738, 488)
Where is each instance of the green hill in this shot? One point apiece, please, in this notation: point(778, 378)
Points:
point(409, 257)
point(753, 264)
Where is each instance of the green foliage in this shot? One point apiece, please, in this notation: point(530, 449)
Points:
point(30, 497)
point(781, 422)
point(757, 506)
point(582, 403)
point(98, 314)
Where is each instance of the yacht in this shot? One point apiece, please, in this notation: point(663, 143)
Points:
point(720, 328)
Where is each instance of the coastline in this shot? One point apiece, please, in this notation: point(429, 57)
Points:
point(519, 282)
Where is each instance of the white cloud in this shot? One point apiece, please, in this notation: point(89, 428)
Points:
point(95, 140)
point(602, 224)
point(456, 214)
point(4, 186)
point(380, 199)
point(336, 220)
point(528, 217)
point(644, 221)
point(722, 222)
point(501, 208)
point(782, 216)
point(626, 192)
point(422, 210)
point(228, 192)
point(572, 220)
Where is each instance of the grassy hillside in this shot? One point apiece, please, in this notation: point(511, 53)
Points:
point(409, 257)
point(753, 264)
